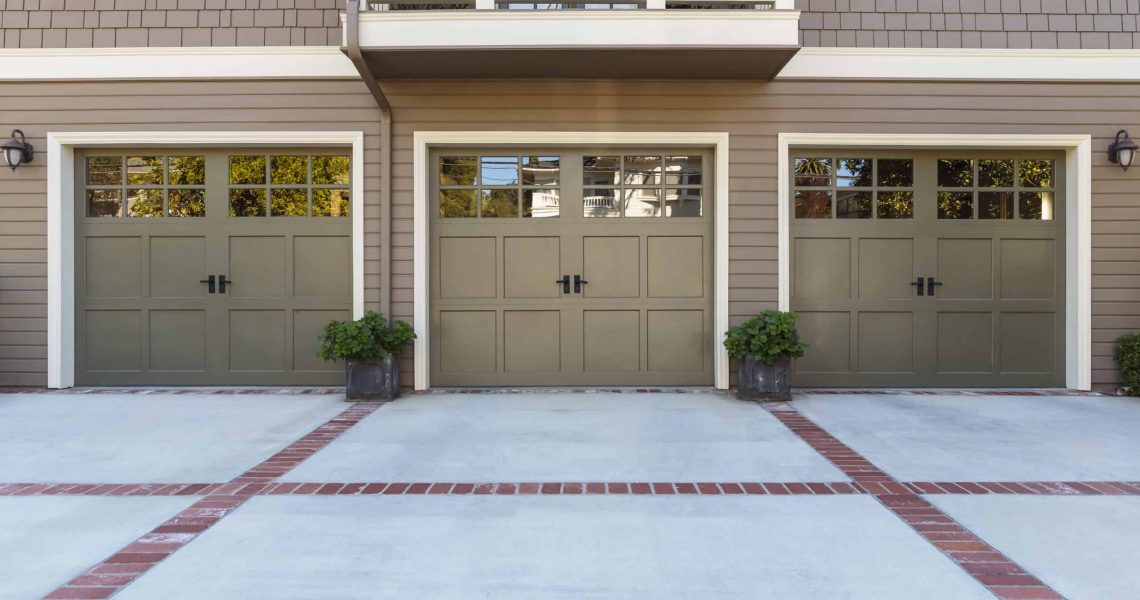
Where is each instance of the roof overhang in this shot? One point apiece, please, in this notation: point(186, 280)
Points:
point(637, 44)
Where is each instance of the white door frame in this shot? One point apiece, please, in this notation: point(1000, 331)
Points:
point(61, 214)
point(424, 140)
point(1078, 218)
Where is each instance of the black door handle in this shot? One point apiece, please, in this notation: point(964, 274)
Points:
point(918, 282)
point(578, 283)
point(930, 283)
point(210, 281)
point(565, 281)
point(222, 284)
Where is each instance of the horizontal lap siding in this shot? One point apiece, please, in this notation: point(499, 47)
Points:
point(755, 113)
point(38, 108)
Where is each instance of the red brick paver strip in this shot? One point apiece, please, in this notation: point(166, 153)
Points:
point(989, 567)
point(120, 569)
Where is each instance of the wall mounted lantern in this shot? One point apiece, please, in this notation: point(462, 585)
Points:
point(17, 150)
point(1122, 151)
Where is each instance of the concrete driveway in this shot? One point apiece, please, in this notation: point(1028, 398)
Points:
point(562, 495)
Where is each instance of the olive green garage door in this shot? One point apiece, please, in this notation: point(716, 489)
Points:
point(940, 269)
point(155, 227)
point(560, 267)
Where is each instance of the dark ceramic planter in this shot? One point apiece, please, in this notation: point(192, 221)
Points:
point(372, 379)
point(759, 381)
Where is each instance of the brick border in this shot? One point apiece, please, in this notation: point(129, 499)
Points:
point(123, 567)
point(986, 564)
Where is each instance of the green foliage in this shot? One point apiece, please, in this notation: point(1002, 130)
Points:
point(769, 336)
point(1128, 357)
point(370, 338)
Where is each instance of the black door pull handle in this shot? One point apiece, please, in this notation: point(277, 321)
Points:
point(578, 283)
point(222, 284)
point(210, 281)
point(565, 281)
point(930, 283)
point(918, 282)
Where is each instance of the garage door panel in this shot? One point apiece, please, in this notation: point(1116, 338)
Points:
point(828, 336)
point(177, 266)
point(322, 266)
point(965, 342)
point(114, 340)
point(531, 265)
point(467, 341)
point(886, 268)
point(1027, 269)
point(822, 268)
point(676, 266)
point(612, 265)
point(676, 340)
point(257, 340)
point(886, 342)
point(611, 340)
point(113, 267)
point(307, 326)
point(257, 264)
point(467, 267)
point(965, 268)
point(177, 340)
point(532, 341)
point(1027, 342)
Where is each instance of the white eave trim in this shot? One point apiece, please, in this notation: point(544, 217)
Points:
point(267, 62)
point(494, 29)
point(965, 64)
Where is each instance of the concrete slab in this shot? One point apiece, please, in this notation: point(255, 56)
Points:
point(568, 437)
point(45, 541)
point(987, 438)
point(544, 548)
point(157, 438)
point(1084, 547)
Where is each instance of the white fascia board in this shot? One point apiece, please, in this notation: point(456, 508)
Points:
point(454, 30)
point(940, 64)
point(267, 62)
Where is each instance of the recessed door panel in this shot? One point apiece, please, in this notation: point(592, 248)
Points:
point(676, 267)
point(612, 265)
point(828, 335)
point(114, 267)
point(1027, 342)
point(1027, 269)
point(886, 268)
point(467, 341)
point(886, 342)
point(114, 340)
point(257, 266)
point(965, 342)
point(822, 268)
point(965, 268)
point(257, 340)
point(532, 341)
point(307, 325)
point(530, 267)
point(676, 340)
point(322, 266)
point(178, 340)
point(177, 266)
point(611, 340)
point(467, 267)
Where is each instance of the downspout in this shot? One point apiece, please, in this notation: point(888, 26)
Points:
point(352, 49)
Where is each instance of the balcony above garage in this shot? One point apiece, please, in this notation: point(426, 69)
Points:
point(650, 39)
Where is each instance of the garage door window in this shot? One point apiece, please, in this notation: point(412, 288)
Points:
point(995, 189)
point(289, 186)
point(854, 188)
point(642, 186)
point(145, 186)
point(504, 186)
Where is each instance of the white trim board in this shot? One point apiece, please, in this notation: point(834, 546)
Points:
point(425, 140)
point(328, 62)
point(61, 215)
point(1078, 218)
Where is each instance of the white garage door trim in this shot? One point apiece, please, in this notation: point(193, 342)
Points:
point(424, 140)
point(61, 215)
point(1078, 229)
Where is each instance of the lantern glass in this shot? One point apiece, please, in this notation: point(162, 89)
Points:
point(13, 156)
point(1125, 156)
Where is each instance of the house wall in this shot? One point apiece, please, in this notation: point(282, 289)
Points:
point(753, 114)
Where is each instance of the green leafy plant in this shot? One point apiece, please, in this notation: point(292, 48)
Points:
point(1128, 357)
point(370, 338)
point(767, 337)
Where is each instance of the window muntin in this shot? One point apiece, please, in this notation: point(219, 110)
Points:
point(996, 189)
point(643, 185)
point(499, 186)
point(853, 188)
point(145, 186)
point(289, 185)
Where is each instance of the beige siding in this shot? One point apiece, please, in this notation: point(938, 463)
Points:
point(753, 113)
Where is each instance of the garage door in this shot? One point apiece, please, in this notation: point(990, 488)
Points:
point(560, 267)
point(929, 269)
point(159, 231)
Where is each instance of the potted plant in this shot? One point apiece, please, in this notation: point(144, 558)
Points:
point(1128, 359)
point(764, 347)
point(370, 349)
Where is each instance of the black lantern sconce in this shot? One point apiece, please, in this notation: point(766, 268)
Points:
point(17, 150)
point(1122, 151)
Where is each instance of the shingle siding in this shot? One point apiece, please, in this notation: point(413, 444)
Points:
point(971, 23)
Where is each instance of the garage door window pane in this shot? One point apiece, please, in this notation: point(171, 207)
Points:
point(854, 172)
point(247, 170)
point(187, 203)
point(457, 203)
point(540, 203)
point(813, 172)
point(330, 170)
point(457, 170)
point(601, 170)
point(955, 205)
point(1035, 173)
point(813, 204)
point(685, 202)
point(996, 205)
point(104, 203)
point(642, 202)
point(288, 202)
point(896, 205)
point(144, 170)
point(853, 205)
point(104, 170)
point(1035, 206)
point(144, 203)
point(247, 203)
point(683, 170)
point(896, 172)
point(499, 170)
point(642, 170)
point(187, 170)
point(500, 203)
point(955, 173)
point(995, 173)
point(601, 203)
point(331, 203)
point(541, 170)
point(289, 169)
